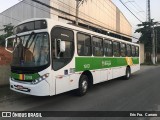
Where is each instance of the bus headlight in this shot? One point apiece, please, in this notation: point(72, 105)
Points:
point(43, 77)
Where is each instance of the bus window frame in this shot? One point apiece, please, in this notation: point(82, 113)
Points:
point(130, 50)
point(72, 30)
point(102, 46)
point(34, 22)
point(137, 55)
point(79, 32)
point(122, 43)
point(118, 50)
point(105, 39)
point(133, 55)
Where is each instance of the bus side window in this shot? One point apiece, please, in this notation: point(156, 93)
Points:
point(84, 45)
point(129, 51)
point(123, 49)
point(108, 48)
point(67, 36)
point(133, 51)
point(137, 51)
point(97, 46)
point(116, 49)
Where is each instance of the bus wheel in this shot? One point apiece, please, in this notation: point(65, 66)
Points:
point(128, 73)
point(83, 85)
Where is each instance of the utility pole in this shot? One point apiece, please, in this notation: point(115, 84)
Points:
point(77, 11)
point(148, 11)
point(78, 4)
point(153, 46)
point(151, 27)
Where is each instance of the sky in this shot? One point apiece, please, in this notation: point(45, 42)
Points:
point(138, 7)
point(5, 4)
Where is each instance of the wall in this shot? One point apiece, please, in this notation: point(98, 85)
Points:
point(101, 12)
point(142, 53)
point(4, 74)
point(22, 11)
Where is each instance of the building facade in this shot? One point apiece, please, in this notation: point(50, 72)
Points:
point(102, 13)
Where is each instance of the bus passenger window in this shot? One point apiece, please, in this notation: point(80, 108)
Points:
point(67, 36)
point(84, 45)
point(137, 51)
point(123, 49)
point(129, 53)
point(133, 51)
point(116, 49)
point(108, 48)
point(97, 46)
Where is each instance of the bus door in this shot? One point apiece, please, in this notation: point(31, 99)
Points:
point(62, 44)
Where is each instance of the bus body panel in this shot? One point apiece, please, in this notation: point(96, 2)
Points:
point(40, 89)
point(67, 78)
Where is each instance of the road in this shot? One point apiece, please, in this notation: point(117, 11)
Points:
point(140, 93)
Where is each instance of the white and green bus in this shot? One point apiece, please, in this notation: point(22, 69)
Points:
point(50, 57)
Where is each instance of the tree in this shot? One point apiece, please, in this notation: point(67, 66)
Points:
point(147, 31)
point(8, 31)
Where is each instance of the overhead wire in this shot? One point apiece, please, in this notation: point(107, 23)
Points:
point(138, 10)
point(130, 11)
point(57, 15)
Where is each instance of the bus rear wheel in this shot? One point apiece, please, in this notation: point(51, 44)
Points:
point(83, 85)
point(128, 73)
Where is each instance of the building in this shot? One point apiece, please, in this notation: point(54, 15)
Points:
point(97, 13)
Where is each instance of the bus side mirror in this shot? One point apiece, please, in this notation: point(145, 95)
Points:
point(9, 44)
point(60, 47)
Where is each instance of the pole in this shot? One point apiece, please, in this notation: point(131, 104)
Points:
point(77, 11)
point(153, 47)
point(156, 44)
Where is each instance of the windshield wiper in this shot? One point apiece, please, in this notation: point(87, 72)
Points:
point(29, 39)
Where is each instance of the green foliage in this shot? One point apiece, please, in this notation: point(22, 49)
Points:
point(8, 31)
point(146, 31)
point(157, 32)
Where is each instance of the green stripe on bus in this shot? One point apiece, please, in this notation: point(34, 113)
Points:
point(26, 76)
point(92, 63)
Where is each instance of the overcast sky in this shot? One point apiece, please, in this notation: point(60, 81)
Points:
point(138, 8)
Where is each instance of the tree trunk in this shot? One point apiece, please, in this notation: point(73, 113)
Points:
point(148, 57)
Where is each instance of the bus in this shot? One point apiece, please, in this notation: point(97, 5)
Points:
point(51, 57)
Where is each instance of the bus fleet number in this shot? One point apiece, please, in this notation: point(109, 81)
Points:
point(86, 66)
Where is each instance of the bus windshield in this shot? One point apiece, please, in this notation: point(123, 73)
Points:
point(31, 50)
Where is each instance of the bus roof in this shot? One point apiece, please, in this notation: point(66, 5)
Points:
point(83, 30)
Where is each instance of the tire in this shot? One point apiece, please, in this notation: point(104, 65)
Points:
point(83, 85)
point(128, 73)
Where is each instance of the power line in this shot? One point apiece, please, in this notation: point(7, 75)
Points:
point(138, 11)
point(78, 18)
point(67, 18)
point(130, 11)
point(10, 17)
point(135, 11)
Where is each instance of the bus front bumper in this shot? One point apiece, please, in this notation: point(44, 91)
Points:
point(40, 89)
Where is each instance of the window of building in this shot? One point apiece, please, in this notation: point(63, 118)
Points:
point(116, 49)
point(108, 48)
point(84, 45)
point(97, 46)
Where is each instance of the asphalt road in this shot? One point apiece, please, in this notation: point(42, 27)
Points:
point(140, 93)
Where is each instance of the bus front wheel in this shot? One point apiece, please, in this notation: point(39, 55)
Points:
point(83, 85)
